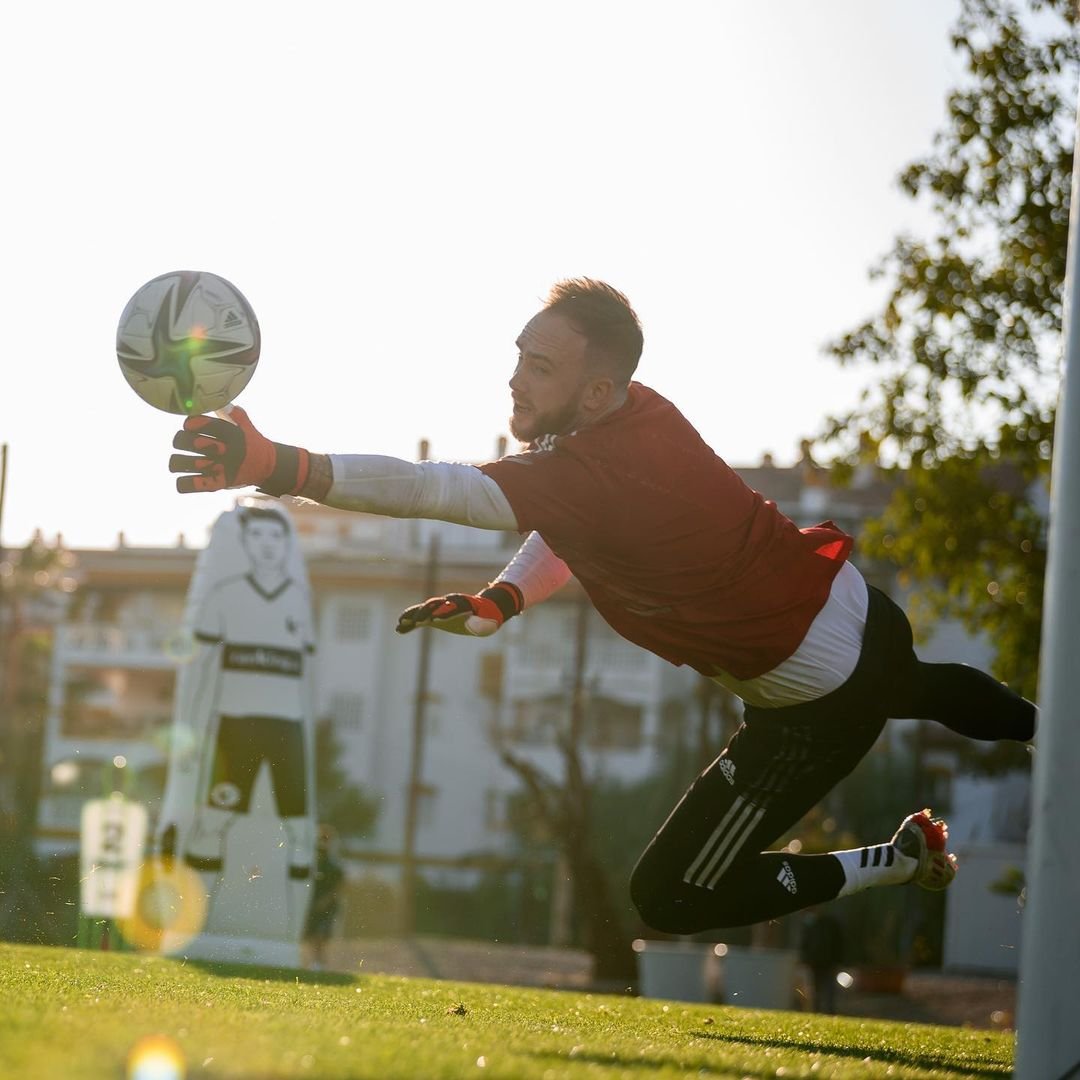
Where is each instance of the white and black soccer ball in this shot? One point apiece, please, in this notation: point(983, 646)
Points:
point(188, 342)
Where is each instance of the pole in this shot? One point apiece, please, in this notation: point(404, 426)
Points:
point(562, 889)
point(1048, 1043)
point(414, 789)
point(3, 490)
point(581, 656)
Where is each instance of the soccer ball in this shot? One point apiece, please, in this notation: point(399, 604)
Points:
point(188, 342)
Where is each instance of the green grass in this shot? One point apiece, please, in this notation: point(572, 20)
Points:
point(76, 1014)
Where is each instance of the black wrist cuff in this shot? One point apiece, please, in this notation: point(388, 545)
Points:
point(506, 596)
point(285, 479)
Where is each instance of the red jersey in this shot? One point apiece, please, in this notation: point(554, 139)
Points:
point(675, 551)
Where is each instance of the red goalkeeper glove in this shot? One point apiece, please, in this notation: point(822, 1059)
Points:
point(235, 454)
point(477, 616)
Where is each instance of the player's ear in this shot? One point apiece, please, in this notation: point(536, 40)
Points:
point(599, 393)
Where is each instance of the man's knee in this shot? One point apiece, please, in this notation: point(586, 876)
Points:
point(661, 906)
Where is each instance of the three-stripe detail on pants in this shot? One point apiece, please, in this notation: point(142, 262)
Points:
point(744, 815)
point(724, 844)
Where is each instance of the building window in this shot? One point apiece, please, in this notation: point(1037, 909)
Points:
point(613, 725)
point(347, 711)
point(116, 703)
point(546, 640)
point(614, 654)
point(608, 724)
point(353, 622)
point(536, 723)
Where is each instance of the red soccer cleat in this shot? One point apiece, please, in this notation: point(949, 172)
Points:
point(923, 838)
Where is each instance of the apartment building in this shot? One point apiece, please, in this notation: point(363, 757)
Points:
point(117, 654)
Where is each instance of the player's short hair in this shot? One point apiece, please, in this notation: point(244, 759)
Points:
point(604, 316)
point(249, 514)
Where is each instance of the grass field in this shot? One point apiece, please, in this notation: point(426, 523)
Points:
point(76, 1015)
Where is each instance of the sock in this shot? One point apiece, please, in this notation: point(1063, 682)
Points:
point(879, 864)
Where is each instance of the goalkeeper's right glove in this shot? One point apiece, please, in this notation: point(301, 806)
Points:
point(477, 616)
point(235, 454)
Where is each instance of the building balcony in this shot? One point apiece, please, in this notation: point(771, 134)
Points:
point(99, 644)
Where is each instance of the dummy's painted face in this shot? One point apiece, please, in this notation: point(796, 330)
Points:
point(549, 383)
point(266, 543)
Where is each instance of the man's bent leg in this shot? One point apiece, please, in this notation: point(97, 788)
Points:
point(756, 889)
point(705, 869)
point(966, 700)
point(962, 698)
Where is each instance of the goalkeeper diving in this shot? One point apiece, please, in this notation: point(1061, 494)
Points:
point(613, 486)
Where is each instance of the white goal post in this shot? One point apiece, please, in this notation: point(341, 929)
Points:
point(1048, 1039)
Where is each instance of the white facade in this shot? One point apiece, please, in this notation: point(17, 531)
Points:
point(982, 919)
point(514, 685)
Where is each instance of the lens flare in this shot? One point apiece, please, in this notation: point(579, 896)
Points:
point(156, 1057)
point(170, 907)
point(64, 773)
point(178, 739)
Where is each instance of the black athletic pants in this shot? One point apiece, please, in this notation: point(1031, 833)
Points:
point(706, 867)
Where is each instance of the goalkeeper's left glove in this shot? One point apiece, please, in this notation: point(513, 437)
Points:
point(477, 616)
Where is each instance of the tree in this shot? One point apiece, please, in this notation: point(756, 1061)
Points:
point(565, 811)
point(340, 802)
point(35, 586)
point(967, 343)
point(35, 583)
point(626, 814)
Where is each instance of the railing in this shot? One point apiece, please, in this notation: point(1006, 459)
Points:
point(98, 640)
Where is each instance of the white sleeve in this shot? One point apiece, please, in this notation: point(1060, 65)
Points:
point(536, 570)
point(443, 490)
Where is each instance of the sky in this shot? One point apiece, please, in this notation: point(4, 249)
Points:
point(394, 187)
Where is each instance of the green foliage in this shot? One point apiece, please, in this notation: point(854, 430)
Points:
point(882, 927)
point(563, 813)
point(506, 904)
point(78, 1014)
point(625, 817)
point(967, 338)
point(340, 802)
point(966, 346)
point(35, 586)
point(975, 536)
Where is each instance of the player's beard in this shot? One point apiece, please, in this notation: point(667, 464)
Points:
point(532, 425)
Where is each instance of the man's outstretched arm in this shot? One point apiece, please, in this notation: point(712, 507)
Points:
point(232, 453)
